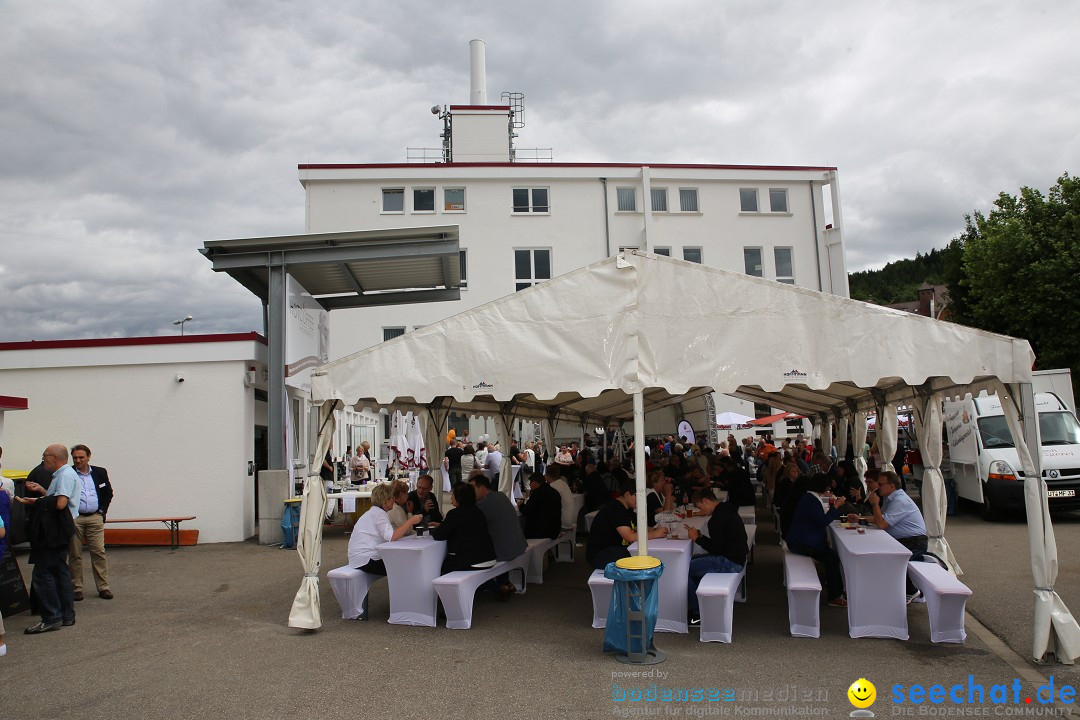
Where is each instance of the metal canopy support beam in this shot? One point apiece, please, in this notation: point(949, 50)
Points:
point(335, 254)
point(341, 302)
point(275, 335)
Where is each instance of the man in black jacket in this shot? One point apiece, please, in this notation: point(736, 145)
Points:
point(542, 513)
point(95, 494)
point(725, 544)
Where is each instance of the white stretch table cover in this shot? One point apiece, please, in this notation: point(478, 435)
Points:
point(875, 572)
point(411, 564)
point(675, 554)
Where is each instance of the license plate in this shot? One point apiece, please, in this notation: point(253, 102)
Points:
point(1060, 493)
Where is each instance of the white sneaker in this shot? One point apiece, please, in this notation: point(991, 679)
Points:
point(3, 650)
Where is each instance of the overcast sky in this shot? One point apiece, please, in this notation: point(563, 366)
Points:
point(131, 132)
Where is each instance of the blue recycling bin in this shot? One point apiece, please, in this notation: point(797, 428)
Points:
point(635, 603)
point(290, 525)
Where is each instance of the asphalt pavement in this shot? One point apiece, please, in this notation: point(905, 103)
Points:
point(203, 632)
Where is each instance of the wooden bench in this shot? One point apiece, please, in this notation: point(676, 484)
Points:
point(600, 587)
point(173, 523)
point(803, 595)
point(716, 594)
point(350, 586)
point(457, 589)
point(946, 599)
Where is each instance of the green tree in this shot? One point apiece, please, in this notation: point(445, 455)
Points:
point(1020, 272)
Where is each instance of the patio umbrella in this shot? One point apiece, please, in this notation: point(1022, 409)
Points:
point(776, 418)
point(731, 419)
point(306, 613)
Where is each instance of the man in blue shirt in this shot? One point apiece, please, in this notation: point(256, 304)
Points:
point(897, 514)
point(50, 538)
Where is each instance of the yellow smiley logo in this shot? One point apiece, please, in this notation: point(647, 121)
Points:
point(862, 693)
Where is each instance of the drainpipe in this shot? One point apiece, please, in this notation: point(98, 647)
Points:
point(646, 201)
point(607, 222)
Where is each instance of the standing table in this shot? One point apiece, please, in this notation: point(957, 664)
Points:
point(675, 554)
point(411, 564)
point(875, 571)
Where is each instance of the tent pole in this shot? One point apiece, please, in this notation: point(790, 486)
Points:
point(639, 473)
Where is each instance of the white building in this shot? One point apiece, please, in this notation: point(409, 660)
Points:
point(522, 222)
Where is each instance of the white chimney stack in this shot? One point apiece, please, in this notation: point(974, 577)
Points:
point(477, 73)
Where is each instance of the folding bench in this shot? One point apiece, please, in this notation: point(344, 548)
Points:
point(350, 587)
point(600, 587)
point(457, 589)
point(803, 595)
point(946, 598)
point(716, 595)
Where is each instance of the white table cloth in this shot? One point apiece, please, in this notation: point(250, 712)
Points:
point(411, 564)
point(875, 569)
point(675, 554)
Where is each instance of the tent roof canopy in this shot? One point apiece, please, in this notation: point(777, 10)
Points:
point(577, 347)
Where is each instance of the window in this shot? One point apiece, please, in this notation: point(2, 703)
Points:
point(531, 200)
point(423, 200)
point(627, 248)
point(463, 263)
point(748, 199)
point(752, 261)
point(666, 252)
point(688, 200)
point(778, 200)
point(691, 254)
point(453, 199)
point(393, 200)
point(627, 199)
point(389, 333)
point(785, 270)
point(659, 199)
point(531, 266)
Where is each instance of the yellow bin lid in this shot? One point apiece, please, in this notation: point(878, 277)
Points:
point(638, 562)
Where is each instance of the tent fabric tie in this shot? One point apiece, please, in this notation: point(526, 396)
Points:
point(314, 575)
point(1047, 589)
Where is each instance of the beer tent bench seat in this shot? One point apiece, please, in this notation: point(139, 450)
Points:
point(147, 537)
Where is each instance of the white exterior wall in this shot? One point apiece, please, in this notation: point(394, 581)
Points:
point(576, 229)
point(171, 448)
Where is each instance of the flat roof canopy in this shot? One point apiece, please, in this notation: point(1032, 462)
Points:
point(358, 268)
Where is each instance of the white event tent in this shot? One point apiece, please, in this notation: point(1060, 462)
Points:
point(607, 343)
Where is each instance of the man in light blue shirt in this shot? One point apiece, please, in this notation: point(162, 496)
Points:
point(900, 516)
point(51, 578)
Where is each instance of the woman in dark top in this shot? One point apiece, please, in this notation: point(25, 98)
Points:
point(468, 544)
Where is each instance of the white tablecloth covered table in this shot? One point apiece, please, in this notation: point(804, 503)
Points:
point(411, 564)
point(875, 570)
point(675, 554)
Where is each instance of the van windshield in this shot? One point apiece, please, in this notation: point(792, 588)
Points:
point(1059, 428)
point(995, 432)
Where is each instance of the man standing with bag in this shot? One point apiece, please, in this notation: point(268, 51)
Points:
point(50, 527)
point(94, 497)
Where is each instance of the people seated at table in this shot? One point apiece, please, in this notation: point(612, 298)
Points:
point(553, 477)
point(897, 514)
point(807, 534)
point(503, 528)
point(661, 496)
point(422, 501)
point(541, 514)
point(736, 481)
point(398, 514)
point(785, 484)
point(373, 529)
point(597, 491)
point(465, 531)
point(725, 544)
point(613, 529)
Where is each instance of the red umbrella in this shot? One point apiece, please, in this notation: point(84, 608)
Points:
point(777, 418)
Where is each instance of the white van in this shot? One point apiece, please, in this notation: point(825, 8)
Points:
point(985, 466)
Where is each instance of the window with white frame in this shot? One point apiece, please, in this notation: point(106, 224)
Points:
point(389, 333)
point(785, 267)
point(627, 199)
point(691, 254)
point(531, 200)
point(531, 266)
point(665, 251)
point(463, 263)
point(752, 261)
point(778, 200)
point(453, 200)
point(393, 200)
point(748, 200)
point(627, 248)
point(659, 199)
point(688, 200)
point(423, 200)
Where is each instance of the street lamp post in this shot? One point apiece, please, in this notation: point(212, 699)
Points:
point(181, 322)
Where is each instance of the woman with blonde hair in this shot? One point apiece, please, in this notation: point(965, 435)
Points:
point(373, 529)
point(771, 472)
point(399, 490)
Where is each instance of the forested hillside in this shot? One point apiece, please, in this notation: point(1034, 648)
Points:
point(898, 281)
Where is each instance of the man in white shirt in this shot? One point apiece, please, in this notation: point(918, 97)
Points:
point(552, 476)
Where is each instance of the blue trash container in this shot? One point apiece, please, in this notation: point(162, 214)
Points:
point(290, 525)
point(631, 619)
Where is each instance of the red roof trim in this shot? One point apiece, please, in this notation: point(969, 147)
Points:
point(480, 107)
point(129, 341)
point(7, 402)
point(666, 166)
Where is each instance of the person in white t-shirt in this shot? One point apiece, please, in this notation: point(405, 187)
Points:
point(373, 529)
